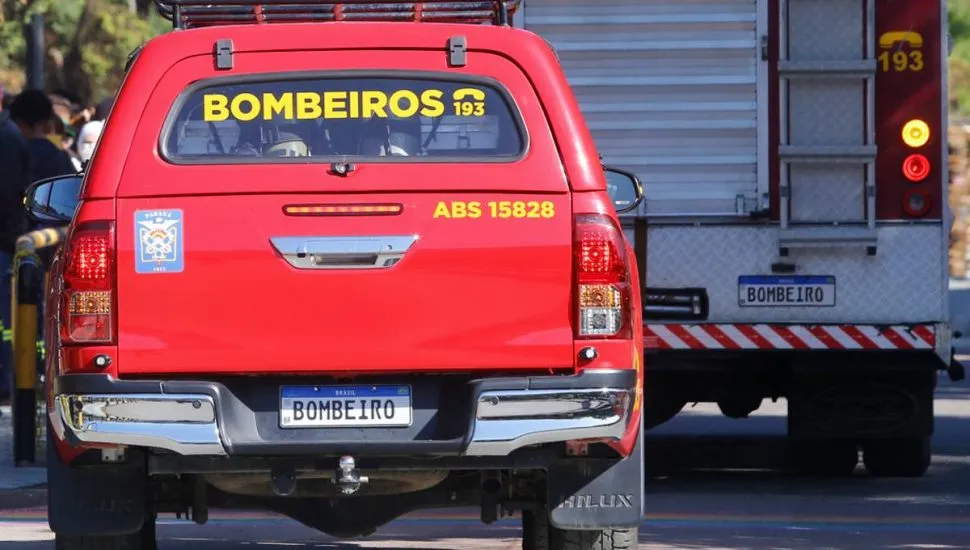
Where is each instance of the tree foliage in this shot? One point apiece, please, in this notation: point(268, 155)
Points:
point(959, 64)
point(87, 42)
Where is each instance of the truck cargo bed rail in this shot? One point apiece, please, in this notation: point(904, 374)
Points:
point(200, 13)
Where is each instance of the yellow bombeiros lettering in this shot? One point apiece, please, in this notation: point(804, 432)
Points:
point(282, 105)
point(433, 106)
point(215, 108)
point(496, 209)
point(335, 105)
point(245, 107)
point(338, 104)
point(308, 106)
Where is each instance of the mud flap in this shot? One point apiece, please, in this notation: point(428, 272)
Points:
point(595, 494)
point(96, 500)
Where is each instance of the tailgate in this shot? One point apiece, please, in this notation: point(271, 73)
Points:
point(446, 247)
point(261, 290)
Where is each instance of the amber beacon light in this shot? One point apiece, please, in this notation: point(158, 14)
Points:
point(916, 133)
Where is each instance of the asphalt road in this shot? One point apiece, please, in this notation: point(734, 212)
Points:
point(714, 484)
point(706, 491)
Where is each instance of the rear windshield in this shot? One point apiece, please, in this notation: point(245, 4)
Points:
point(376, 117)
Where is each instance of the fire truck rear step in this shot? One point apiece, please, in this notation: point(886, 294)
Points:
point(827, 189)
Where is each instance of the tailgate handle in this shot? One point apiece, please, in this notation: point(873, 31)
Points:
point(371, 252)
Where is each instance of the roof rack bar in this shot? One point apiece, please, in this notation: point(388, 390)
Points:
point(196, 13)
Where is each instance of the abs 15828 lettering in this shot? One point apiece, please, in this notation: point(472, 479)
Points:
point(345, 409)
point(496, 209)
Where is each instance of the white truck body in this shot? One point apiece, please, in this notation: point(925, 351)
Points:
point(680, 92)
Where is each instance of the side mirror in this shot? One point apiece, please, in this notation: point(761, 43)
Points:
point(624, 189)
point(53, 200)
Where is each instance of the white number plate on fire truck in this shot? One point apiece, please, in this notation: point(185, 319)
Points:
point(786, 291)
point(345, 406)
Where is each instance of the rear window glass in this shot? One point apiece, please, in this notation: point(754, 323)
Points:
point(382, 118)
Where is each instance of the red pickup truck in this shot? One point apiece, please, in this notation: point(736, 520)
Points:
point(342, 261)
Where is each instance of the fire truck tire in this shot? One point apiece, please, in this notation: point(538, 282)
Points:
point(657, 412)
point(824, 458)
point(898, 457)
point(538, 534)
point(142, 540)
point(661, 402)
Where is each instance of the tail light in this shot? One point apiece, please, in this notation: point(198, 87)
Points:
point(916, 167)
point(87, 300)
point(602, 279)
point(916, 203)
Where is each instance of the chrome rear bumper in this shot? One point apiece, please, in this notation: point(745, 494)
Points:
point(508, 420)
point(183, 424)
point(502, 421)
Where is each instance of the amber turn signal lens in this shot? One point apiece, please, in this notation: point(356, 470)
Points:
point(916, 168)
point(916, 133)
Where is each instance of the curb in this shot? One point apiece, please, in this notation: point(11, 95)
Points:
point(26, 497)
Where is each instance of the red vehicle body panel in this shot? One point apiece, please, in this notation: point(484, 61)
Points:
point(525, 50)
point(908, 34)
point(472, 294)
point(455, 302)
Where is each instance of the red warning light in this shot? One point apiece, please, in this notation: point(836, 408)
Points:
point(916, 168)
point(916, 203)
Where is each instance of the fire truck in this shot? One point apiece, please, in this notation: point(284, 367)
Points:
point(793, 237)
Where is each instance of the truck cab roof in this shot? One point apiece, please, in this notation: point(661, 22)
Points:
point(237, 47)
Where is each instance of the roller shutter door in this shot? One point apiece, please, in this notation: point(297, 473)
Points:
point(669, 89)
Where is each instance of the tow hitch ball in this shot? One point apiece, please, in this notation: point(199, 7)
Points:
point(347, 478)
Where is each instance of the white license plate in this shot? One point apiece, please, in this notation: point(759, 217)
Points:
point(345, 406)
point(786, 291)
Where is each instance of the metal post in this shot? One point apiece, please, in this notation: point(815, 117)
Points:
point(35, 52)
point(502, 13)
point(29, 276)
point(28, 288)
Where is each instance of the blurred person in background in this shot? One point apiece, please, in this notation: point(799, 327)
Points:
point(63, 138)
point(102, 109)
point(67, 115)
point(28, 116)
point(5, 99)
point(47, 156)
point(12, 148)
point(87, 139)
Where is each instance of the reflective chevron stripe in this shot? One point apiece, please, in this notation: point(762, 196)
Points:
point(794, 337)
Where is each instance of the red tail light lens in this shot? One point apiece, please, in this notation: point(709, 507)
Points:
point(87, 302)
point(916, 203)
point(602, 278)
point(916, 167)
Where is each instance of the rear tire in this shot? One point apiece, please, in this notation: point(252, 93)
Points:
point(898, 457)
point(824, 458)
point(662, 400)
point(538, 534)
point(144, 539)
